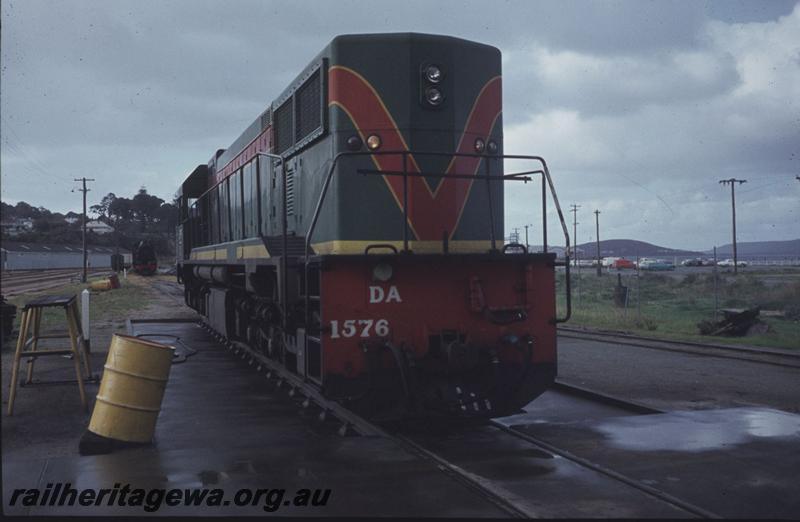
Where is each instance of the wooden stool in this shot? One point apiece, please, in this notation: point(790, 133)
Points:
point(30, 323)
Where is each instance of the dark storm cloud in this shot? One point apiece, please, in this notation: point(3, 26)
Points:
point(640, 96)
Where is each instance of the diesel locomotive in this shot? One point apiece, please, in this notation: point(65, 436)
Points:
point(353, 235)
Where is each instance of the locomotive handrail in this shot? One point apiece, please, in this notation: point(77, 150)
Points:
point(547, 182)
point(376, 246)
point(515, 245)
point(285, 239)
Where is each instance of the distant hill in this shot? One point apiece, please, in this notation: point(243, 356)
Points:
point(631, 248)
point(762, 248)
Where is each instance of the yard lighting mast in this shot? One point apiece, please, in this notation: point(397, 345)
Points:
point(732, 182)
point(84, 190)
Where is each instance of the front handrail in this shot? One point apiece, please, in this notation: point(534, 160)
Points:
point(547, 182)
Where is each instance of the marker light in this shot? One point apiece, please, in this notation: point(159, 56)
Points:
point(492, 147)
point(480, 145)
point(353, 143)
point(434, 96)
point(373, 142)
point(382, 272)
point(433, 74)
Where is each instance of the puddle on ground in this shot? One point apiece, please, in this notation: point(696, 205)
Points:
point(699, 430)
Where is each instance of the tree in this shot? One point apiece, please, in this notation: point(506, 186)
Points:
point(102, 208)
point(7, 211)
point(23, 210)
point(145, 208)
point(167, 217)
point(120, 210)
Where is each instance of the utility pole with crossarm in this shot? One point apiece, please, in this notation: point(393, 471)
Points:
point(597, 225)
point(84, 190)
point(732, 182)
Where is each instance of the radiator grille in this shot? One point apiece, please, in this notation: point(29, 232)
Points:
point(283, 127)
point(308, 106)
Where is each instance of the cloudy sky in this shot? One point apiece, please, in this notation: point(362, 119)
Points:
point(639, 107)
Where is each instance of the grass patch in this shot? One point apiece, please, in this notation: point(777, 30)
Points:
point(671, 305)
point(104, 306)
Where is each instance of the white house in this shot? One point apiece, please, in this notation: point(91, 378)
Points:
point(18, 226)
point(98, 227)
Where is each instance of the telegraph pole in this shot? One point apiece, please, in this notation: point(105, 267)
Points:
point(732, 182)
point(574, 211)
point(597, 225)
point(84, 190)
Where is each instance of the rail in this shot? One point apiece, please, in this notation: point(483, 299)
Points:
point(524, 176)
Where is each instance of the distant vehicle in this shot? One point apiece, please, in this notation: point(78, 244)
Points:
point(144, 258)
point(608, 261)
point(692, 262)
point(708, 262)
point(729, 262)
point(622, 263)
point(587, 262)
point(656, 264)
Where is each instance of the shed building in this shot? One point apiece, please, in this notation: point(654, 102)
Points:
point(41, 256)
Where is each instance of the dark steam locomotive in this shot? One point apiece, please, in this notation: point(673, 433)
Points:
point(353, 234)
point(144, 261)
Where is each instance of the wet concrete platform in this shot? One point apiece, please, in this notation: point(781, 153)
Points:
point(736, 463)
point(222, 427)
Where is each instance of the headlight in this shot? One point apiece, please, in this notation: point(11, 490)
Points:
point(433, 74)
point(480, 145)
point(492, 147)
point(373, 142)
point(382, 272)
point(434, 96)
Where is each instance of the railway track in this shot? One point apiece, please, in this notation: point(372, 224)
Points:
point(655, 493)
point(775, 357)
point(14, 284)
point(493, 487)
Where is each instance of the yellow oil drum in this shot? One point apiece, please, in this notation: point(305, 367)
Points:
point(129, 399)
point(101, 284)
